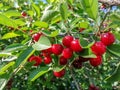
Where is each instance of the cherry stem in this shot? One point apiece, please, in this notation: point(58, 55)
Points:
point(73, 76)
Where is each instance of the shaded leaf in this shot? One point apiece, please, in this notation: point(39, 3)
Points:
point(38, 72)
point(114, 49)
point(87, 53)
point(116, 75)
point(23, 57)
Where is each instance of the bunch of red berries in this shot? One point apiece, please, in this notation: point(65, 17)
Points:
point(69, 46)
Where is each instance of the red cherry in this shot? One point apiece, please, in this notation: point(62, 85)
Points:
point(36, 36)
point(67, 53)
point(77, 63)
point(63, 61)
point(47, 60)
point(57, 49)
point(107, 38)
point(75, 45)
point(24, 14)
point(96, 61)
point(67, 40)
point(92, 87)
point(47, 52)
point(37, 59)
point(98, 48)
point(60, 73)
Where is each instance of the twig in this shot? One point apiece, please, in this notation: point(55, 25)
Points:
point(73, 76)
point(110, 2)
point(104, 19)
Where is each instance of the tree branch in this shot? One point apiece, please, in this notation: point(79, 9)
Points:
point(110, 2)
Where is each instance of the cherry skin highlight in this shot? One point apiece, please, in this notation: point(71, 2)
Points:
point(67, 40)
point(96, 61)
point(75, 45)
point(37, 59)
point(67, 53)
point(57, 49)
point(98, 48)
point(59, 74)
point(107, 38)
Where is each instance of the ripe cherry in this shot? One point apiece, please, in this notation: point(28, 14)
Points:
point(67, 53)
point(63, 61)
point(92, 87)
point(96, 61)
point(98, 48)
point(107, 38)
point(57, 49)
point(37, 59)
point(60, 73)
point(47, 52)
point(75, 45)
point(77, 63)
point(47, 59)
point(24, 14)
point(67, 40)
point(36, 36)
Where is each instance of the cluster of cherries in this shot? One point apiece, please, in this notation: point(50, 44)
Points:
point(69, 46)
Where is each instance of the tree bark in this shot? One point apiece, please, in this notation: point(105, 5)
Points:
point(110, 2)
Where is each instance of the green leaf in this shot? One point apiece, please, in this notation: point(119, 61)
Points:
point(42, 44)
point(12, 13)
point(19, 22)
point(70, 1)
point(31, 13)
point(83, 25)
point(64, 10)
point(115, 76)
point(7, 21)
point(3, 83)
point(10, 35)
point(114, 49)
point(87, 53)
point(2, 54)
point(57, 69)
point(23, 57)
point(56, 19)
point(91, 7)
point(84, 43)
point(51, 33)
point(48, 15)
point(38, 72)
point(40, 24)
point(14, 47)
point(37, 9)
point(7, 66)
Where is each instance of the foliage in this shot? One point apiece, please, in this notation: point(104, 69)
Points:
point(83, 19)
